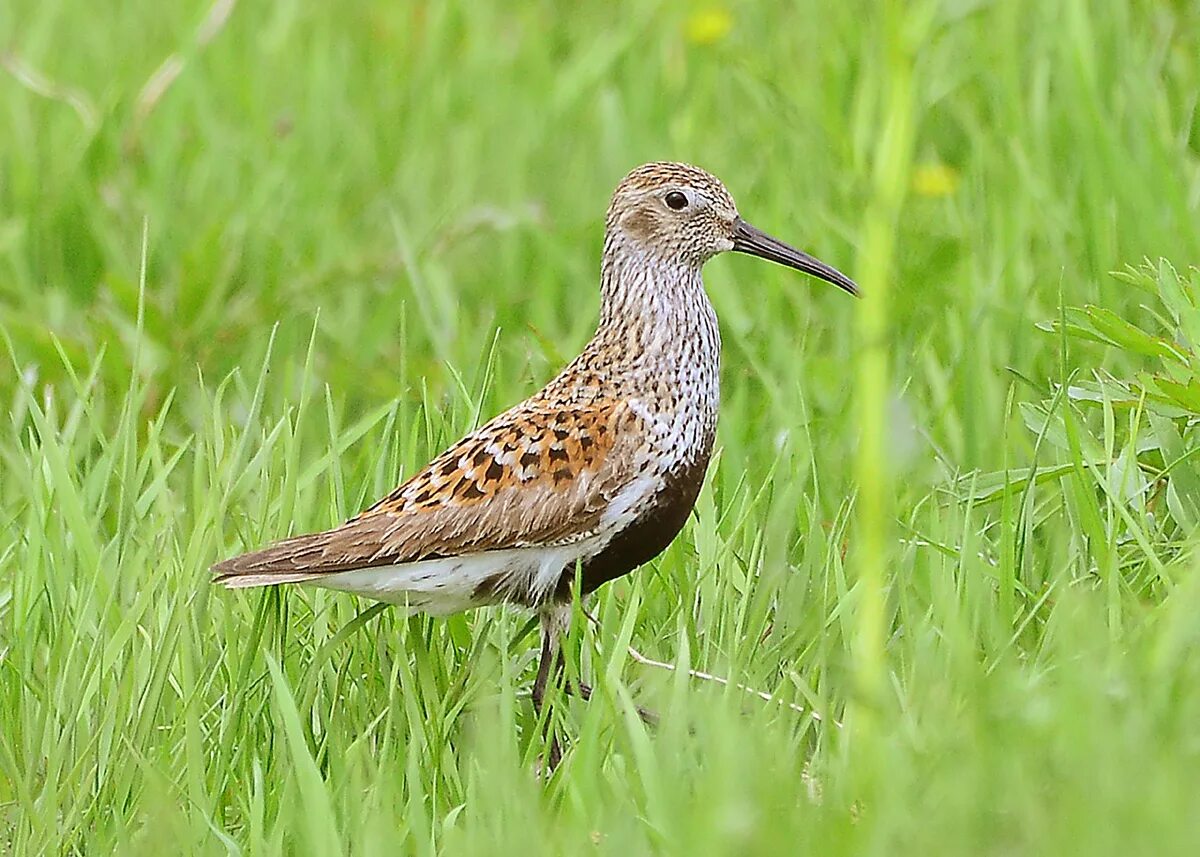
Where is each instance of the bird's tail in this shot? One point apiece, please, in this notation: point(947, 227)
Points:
point(295, 560)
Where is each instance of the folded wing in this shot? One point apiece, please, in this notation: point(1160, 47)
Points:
point(535, 476)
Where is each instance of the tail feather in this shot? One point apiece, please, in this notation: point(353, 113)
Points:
point(295, 560)
point(248, 581)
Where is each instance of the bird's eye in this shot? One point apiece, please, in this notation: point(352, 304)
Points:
point(676, 200)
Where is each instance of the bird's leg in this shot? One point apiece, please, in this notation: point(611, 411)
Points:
point(650, 718)
point(584, 691)
point(551, 667)
point(550, 662)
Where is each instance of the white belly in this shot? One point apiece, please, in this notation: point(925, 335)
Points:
point(453, 584)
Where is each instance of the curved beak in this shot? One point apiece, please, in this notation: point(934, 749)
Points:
point(754, 242)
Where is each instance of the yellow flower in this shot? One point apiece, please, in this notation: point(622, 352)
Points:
point(934, 179)
point(709, 26)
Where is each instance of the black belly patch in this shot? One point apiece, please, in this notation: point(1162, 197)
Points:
point(646, 537)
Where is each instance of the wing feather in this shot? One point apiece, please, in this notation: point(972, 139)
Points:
point(537, 475)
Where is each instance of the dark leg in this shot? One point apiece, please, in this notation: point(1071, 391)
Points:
point(650, 718)
point(551, 660)
point(543, 673)
point(551, 667)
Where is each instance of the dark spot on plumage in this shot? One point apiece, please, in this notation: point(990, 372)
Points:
point(562, 474)
point(423, 496)
point(558, 454)
point(468, 490)
point(495, 471)
point(529, 459)
point(585, 442)
point(480, 457)
point(492, 589)
point(561, 434)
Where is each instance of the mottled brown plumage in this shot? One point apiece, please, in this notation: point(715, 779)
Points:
point(598, 470)
point(537, 475)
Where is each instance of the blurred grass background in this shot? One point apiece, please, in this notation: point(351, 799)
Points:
point(259, 260)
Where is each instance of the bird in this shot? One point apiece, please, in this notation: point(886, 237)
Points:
point(592, 476)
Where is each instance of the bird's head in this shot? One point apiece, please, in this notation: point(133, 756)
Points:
point(685, 215)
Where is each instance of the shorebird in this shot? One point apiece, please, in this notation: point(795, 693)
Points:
point(593, 475)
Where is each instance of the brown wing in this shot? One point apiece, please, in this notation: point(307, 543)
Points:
point(535, 475)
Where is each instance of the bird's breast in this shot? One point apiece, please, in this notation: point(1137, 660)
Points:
point(647, 529)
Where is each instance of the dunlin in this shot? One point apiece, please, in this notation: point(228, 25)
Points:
point(595, 473)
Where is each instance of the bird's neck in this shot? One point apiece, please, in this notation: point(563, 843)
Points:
point(658, 348)
point(653, 308)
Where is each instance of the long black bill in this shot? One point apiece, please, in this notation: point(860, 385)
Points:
point(754, 242)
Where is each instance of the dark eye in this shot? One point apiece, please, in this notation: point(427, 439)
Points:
point(676, 200)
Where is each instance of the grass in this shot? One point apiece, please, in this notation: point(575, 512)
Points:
point(245, 304)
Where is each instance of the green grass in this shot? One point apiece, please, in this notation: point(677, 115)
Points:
point(345, 233)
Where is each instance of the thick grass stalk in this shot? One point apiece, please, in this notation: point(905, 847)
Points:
point(893, 157)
